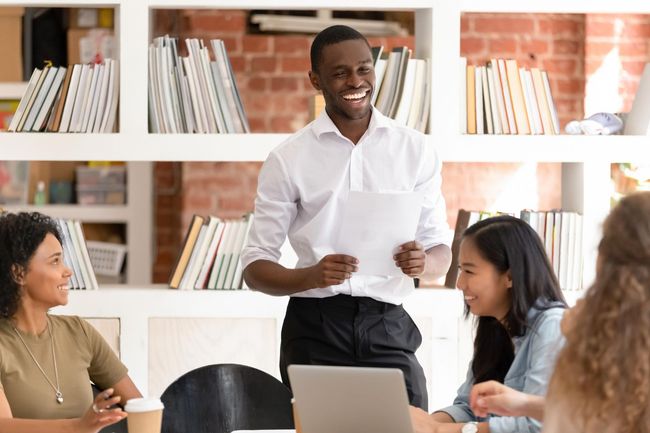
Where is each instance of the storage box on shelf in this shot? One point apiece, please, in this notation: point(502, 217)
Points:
point(107, 259)
point(101, 185)
point(11, 68)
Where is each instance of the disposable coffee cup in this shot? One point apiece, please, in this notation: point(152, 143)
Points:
point(296, 419)
point(144, 415)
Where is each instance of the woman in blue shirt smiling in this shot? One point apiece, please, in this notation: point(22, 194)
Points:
point(508, 283)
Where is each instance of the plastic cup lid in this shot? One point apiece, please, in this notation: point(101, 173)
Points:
point(143, 405)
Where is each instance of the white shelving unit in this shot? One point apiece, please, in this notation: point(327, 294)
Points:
point(12, 90)
point(585, 174)
point(136, 214)
point(182, 330)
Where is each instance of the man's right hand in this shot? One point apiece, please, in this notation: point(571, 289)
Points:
point(332, 270)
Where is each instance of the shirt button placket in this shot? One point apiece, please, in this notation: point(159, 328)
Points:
point(356, 169)
point(356, 184)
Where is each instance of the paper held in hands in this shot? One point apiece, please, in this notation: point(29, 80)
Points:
point(374, 224)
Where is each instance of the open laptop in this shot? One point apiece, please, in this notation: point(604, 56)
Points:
point(350, 399)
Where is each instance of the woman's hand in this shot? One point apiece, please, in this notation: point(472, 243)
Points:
point(99, 415)
point(494, 397)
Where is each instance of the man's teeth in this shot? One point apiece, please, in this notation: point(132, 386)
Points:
point(355, 96)
point(470, 298)
point(62, 287)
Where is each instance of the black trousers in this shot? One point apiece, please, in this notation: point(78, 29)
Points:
point(353, 331)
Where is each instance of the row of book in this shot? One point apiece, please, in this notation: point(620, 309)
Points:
point(209, 258)
point(75, 255)
point(402, 87)
point(502, 98)
point(560, 232)
point(193, 94)
point(78, 98)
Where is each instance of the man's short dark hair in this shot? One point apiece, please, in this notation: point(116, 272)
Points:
point(329, 36)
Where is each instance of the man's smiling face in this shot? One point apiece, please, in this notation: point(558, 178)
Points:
point(346, 77)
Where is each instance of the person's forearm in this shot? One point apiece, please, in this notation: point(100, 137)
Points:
point(15, 425)
point(438, 261)
point(274, 279)
point(534, 407)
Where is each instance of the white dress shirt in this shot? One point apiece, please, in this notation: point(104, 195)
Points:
point(304, 184)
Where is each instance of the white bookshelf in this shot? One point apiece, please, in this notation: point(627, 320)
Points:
point(136, 214)
point(87, 213)
point(180, 330)
point(557, 6)
point(12, 90)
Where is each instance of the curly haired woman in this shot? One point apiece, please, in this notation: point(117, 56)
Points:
point(47, 362)
point(602, 377)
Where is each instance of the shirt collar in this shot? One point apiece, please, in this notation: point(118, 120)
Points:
point(323, 123)
point(539, 307)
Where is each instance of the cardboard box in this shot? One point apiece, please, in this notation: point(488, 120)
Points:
point(87, 18)
point(11, 27)
point(90, 45)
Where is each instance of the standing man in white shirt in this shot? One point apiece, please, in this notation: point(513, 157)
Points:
point(334, 316)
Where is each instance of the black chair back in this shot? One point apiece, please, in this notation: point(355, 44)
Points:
point(225, 397)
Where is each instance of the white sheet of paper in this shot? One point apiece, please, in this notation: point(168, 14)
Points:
point(373, 226)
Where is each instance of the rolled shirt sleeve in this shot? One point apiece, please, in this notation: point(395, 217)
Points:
point(275, 209)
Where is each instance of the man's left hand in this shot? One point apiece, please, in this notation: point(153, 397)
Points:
point(411, 258)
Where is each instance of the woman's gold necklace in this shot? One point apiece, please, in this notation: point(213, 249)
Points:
point(57, 388)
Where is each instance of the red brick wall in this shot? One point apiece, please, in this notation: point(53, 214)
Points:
point(168, 190)
point(271, 72)
point(626, 39)
point(552, 42)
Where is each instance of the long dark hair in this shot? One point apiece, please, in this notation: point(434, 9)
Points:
point(20, 236)
point(510, 244)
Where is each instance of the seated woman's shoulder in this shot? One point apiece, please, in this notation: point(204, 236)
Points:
point(549, 320)
point(73, 323)
point(553, 314)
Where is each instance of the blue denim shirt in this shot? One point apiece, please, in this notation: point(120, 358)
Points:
point(531, 369)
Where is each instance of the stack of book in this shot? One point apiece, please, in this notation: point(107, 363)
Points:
point(210, 255)
point(75, 255)
point(560, 232)
point(79, 98)
point(502, 98)
point(402, 87)
point(193, 94)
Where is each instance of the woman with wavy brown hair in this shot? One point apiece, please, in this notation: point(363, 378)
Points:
point(601, 382)
point(602, 377)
